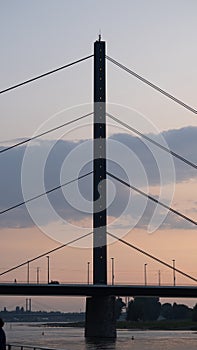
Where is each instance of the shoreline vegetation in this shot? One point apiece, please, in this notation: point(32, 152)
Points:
point(167, 325)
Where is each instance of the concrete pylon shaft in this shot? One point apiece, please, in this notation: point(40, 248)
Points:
point(99, 215)
point(100, 310)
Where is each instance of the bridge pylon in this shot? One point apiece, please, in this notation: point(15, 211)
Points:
point(99, 186)
point(100, 311)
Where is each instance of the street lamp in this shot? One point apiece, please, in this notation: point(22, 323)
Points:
point(28, 272)
point(174, 277)
point(48, 279)
point(88, 272)
point(159, 277)
point(112, 271)
point(145, 274)
point(37, 274)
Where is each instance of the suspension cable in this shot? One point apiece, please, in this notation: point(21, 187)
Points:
point(174, 154)
point(45, 133)
point(153, 199)
point(165, 93)
point(151, 256)
point(46, 253)
point(44, 74)
point(44, 193)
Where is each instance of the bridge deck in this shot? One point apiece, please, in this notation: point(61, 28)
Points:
point(97, 290)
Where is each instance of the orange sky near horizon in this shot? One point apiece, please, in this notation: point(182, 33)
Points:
point(70, 263)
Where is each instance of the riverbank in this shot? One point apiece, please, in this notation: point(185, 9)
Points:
point(156, 325)
point(159, 325)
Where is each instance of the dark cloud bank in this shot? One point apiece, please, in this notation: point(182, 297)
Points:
point(182, 141)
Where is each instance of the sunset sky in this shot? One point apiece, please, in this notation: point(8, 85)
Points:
point(156, 39)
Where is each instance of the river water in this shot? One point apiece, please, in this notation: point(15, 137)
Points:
point(73, 339)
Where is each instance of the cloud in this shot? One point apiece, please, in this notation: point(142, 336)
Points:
point(183, 141)
point(169, 220)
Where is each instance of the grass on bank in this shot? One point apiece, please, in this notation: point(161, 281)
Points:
point(158, 325)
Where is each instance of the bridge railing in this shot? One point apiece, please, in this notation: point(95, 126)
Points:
point(24, 347)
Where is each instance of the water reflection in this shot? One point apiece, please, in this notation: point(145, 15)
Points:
point(100, 344)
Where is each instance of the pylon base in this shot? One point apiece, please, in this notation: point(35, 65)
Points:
point(100, 317)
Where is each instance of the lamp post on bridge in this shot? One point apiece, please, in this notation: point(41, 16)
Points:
point(112, 271)
point(174, 276)
point(159, 277)
point(37, 275)
point(145, 274)
point(28, 272)
point(48, 269)
point(88, 274)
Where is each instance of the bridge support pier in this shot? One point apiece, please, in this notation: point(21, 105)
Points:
point(100, 317)
point(100, 310)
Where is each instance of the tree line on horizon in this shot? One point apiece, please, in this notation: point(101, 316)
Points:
point(150, 309)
